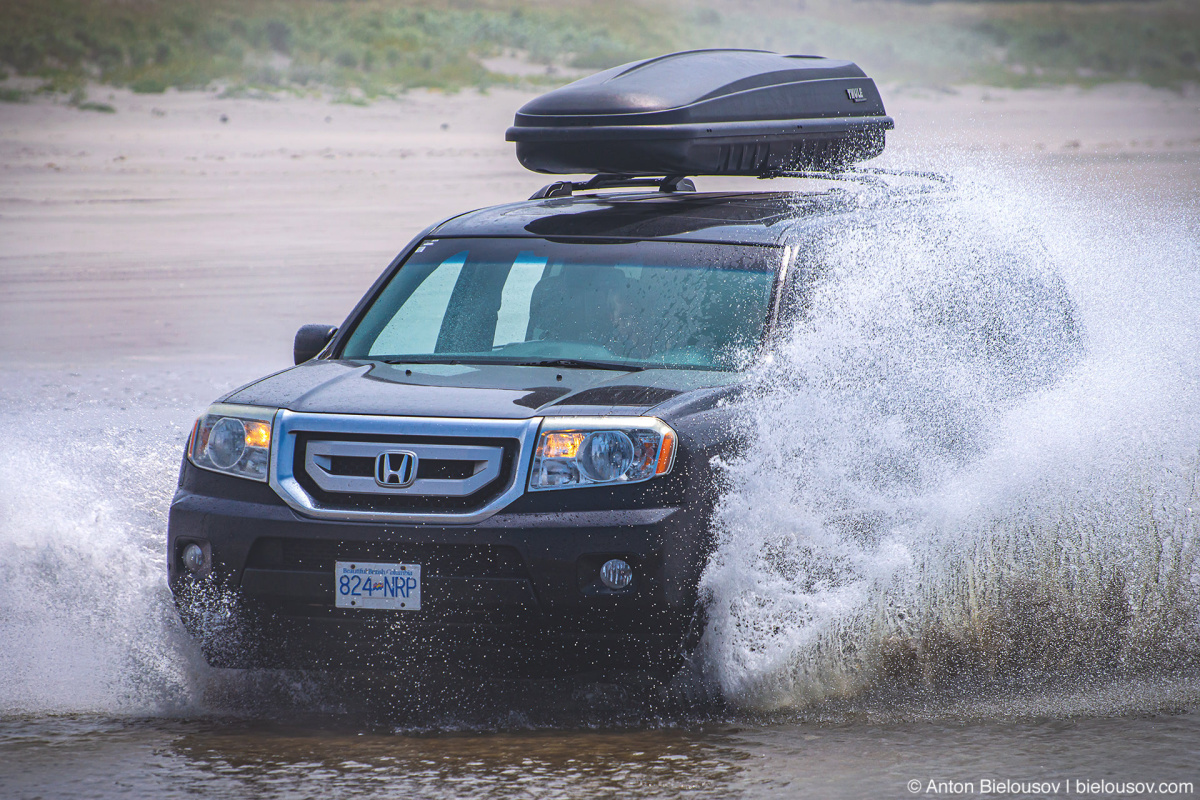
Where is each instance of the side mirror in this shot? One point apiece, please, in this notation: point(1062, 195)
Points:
point(311, 340)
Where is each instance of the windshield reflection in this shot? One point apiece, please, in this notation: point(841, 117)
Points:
point(625, 305)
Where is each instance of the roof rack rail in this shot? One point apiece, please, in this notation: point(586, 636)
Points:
point(670, 183)
point(869, 176)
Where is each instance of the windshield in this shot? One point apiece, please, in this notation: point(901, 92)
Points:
point(629, 305)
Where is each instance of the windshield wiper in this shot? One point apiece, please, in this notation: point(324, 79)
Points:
point(430, 360)
point(578, 363)
point(570, 363)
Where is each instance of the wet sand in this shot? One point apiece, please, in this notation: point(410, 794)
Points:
point(187, 225)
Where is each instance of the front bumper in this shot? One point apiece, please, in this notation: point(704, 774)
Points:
point(515, 595)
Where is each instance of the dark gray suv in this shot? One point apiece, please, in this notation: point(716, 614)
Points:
point(502, 462)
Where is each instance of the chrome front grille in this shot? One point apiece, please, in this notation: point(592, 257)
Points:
point(399, 469)
point(340, 466)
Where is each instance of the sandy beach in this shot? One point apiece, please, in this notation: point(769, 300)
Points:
point(188, 224)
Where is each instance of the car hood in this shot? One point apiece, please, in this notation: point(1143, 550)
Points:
point(474, 391)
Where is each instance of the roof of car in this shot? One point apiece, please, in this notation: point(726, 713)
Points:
point(742, 217)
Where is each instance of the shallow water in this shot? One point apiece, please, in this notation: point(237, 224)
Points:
point(944, 570)
point(96, 756)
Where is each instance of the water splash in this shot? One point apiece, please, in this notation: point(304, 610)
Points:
point(85, 617)
point(87, 469)
point(973, 459)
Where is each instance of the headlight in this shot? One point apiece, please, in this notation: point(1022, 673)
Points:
point(235, 440)
point(593, 451)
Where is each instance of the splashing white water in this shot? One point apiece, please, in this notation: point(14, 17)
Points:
point(87, 469)
point(949, 481)
point(84, 611)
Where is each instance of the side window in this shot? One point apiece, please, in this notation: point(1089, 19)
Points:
point(414, 328)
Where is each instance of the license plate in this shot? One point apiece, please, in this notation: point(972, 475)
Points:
point(392, 586)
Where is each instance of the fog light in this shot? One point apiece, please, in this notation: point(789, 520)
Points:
point(616, 574)
point(193, 557)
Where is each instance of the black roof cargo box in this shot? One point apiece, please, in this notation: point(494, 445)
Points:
point(706, 112)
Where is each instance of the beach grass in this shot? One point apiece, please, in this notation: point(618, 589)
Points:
point(376, 47)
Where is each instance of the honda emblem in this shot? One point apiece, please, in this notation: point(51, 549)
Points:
point(396, 469)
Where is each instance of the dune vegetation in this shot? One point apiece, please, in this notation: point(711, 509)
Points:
point(369, 48)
